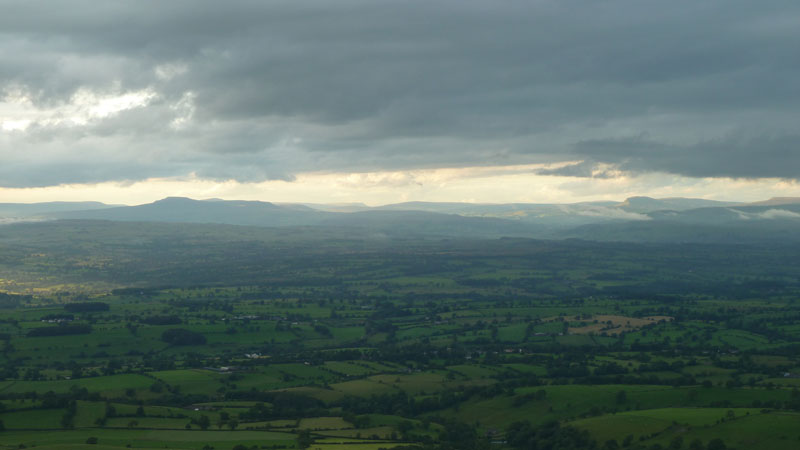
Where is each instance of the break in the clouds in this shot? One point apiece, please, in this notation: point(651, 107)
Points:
point(251, 91)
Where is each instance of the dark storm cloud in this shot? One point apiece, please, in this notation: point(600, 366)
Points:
point(269, 89)
point(730, 156)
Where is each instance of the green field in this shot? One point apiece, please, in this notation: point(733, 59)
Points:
point(291, 340)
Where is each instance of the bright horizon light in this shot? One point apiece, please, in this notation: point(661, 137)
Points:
point(494, 184)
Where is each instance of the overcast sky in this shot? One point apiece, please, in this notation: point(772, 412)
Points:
point(382, 101)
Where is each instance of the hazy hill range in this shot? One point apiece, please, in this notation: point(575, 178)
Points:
point(254, 213)
point(11, 212)
point(771, 220)
point(632, 204)
point(777, 201)
point(561, 215)
point(648, 204)
point(635, 219)
point(180, 209)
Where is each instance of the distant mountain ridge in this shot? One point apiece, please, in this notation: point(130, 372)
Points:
point(182, 209)
point(636, 218)
point(560, 215)
point(775, 201)
point(256, 213)
point(648, 204)
point(32, 209)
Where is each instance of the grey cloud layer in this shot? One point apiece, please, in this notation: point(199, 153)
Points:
point(276, 88)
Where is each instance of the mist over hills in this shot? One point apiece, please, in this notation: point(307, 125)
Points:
point(648, 204)
point(635, 219)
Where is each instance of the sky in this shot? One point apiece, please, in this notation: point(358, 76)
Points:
point(385, 101)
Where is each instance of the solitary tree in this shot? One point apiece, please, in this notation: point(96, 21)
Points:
point(204, 422)
point(716, 444)
point(304, 439)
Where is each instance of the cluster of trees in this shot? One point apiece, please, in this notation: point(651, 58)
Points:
point(282, 405)
point(161, 320)
point(551, 436)
point(182, 336)
point(80, 307)
point(12, 300)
